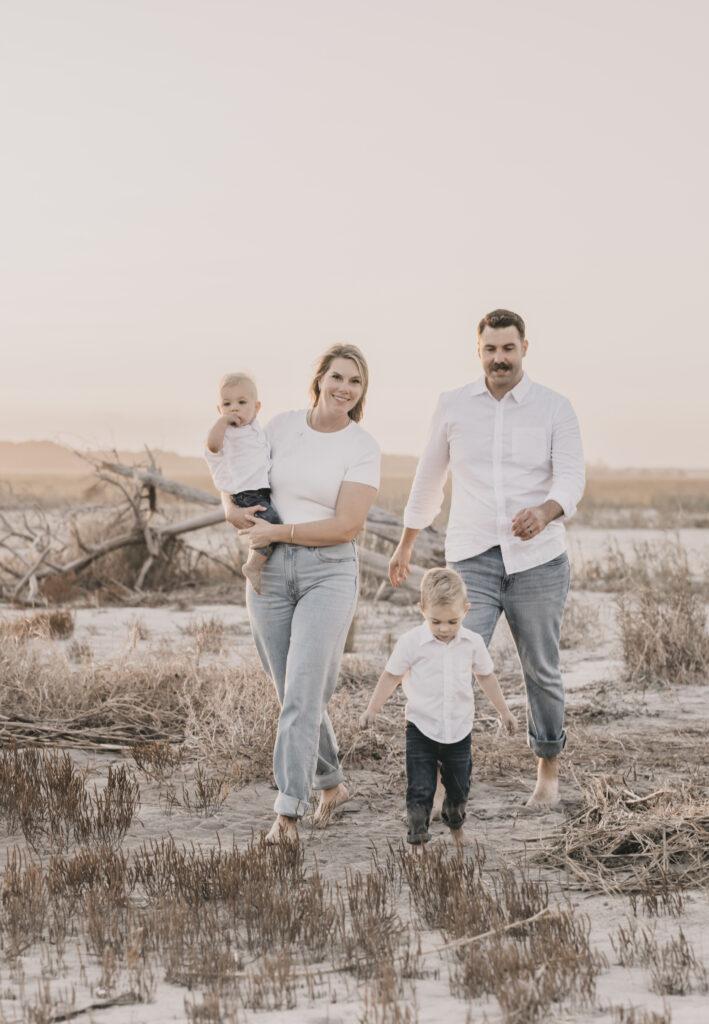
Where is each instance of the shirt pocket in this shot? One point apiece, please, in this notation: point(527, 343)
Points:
point(530, 446)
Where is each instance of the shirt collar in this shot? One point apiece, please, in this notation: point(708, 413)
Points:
point(519, 392)
point(428, 637)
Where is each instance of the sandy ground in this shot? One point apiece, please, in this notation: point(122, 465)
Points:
point(375, 814)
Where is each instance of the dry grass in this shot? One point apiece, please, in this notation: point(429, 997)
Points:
point(245, 926)
point(673, 965)
point(54, 625)
point(650, 846)
point(662, 623)
point(43, 794)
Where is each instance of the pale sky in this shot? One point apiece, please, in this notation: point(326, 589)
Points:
point(191, 187)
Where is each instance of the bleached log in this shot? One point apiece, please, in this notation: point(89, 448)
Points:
point(163, 483)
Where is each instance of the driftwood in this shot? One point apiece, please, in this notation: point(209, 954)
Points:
point(140, 500)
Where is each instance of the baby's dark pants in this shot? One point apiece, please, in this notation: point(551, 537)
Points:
point(422, 758)
point(262, 496)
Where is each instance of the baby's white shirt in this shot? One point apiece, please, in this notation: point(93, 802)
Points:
point(244, 461)
point(309, 466)
point(438, 683)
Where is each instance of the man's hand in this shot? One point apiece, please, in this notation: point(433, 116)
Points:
point(529, 522)
point(399, 565)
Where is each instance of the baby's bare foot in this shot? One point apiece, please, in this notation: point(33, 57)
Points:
point(329, 800)
point(253, 575)
point(283, 830)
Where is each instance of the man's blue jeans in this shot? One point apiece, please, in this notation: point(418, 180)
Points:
point(299, 622)
point(533, 603)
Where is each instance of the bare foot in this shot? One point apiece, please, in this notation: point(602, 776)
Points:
point(438, 798)
point(329, 800)
point(253, 575)
point(546, 791)
point(283, 829)
point(460, 837)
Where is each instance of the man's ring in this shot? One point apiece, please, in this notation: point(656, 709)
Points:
point(529, 529)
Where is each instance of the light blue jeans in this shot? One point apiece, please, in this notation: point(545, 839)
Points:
point(533, 603)
point(300, 622)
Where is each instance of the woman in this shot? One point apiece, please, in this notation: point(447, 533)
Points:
point(324, 477)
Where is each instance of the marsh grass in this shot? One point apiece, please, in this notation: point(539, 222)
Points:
point(673, 966)
point(246, 927)
point(51, 625)
point(662, 625)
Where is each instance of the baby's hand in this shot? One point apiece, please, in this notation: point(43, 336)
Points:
point(367, 719)
point(509, 722)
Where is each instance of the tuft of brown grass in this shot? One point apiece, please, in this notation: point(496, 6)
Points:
point(662, 623)
point(54, 625)
point(45, 795)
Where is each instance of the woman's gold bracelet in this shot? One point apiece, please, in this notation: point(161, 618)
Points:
point(292, 531)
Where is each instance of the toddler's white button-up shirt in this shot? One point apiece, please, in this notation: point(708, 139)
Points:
point(438, 680)
point(244, 461)
point(504, 456)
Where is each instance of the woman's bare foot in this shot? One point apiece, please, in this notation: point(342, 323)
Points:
point(546, 791)
point(283, 829)
point(329, 800)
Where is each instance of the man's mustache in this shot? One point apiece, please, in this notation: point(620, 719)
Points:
point(501, 366)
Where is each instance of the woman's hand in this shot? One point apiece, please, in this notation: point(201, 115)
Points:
point(240, 518)
point(259, 532)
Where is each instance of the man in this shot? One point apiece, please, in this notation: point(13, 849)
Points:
point(514, 449)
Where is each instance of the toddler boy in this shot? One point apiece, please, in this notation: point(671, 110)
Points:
point(436, 661)
point(239, 458)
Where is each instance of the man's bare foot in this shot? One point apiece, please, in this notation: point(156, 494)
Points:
point(438, 798)
point(460, 837)
point(329, 800)
point(283, 829)
point(546, 791)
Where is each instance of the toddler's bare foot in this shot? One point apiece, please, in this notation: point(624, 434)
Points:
point(546, 791)
point(460, 837)
point(283, 829)
point(329, 800)
point(438, 798)
point(253, 575)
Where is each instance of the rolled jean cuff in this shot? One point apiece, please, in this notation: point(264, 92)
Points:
point(329, 781)
point(547, 748)
point(290, 806)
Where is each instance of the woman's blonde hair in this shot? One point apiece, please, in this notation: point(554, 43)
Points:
point(342, 352)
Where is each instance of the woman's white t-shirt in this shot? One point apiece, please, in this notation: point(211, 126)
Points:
point(309, 466)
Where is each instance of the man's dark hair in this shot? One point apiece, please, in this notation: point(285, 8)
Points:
point(502, 318)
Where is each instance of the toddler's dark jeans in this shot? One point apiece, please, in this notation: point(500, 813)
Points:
point(261, 496)
point(422, 758)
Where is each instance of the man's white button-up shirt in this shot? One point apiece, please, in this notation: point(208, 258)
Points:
point(438, 680)
point(504, 456)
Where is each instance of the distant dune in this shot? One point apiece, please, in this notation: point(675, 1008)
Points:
point(36, 457)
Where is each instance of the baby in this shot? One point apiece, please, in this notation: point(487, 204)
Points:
point(436, 662)
point(239, 458)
